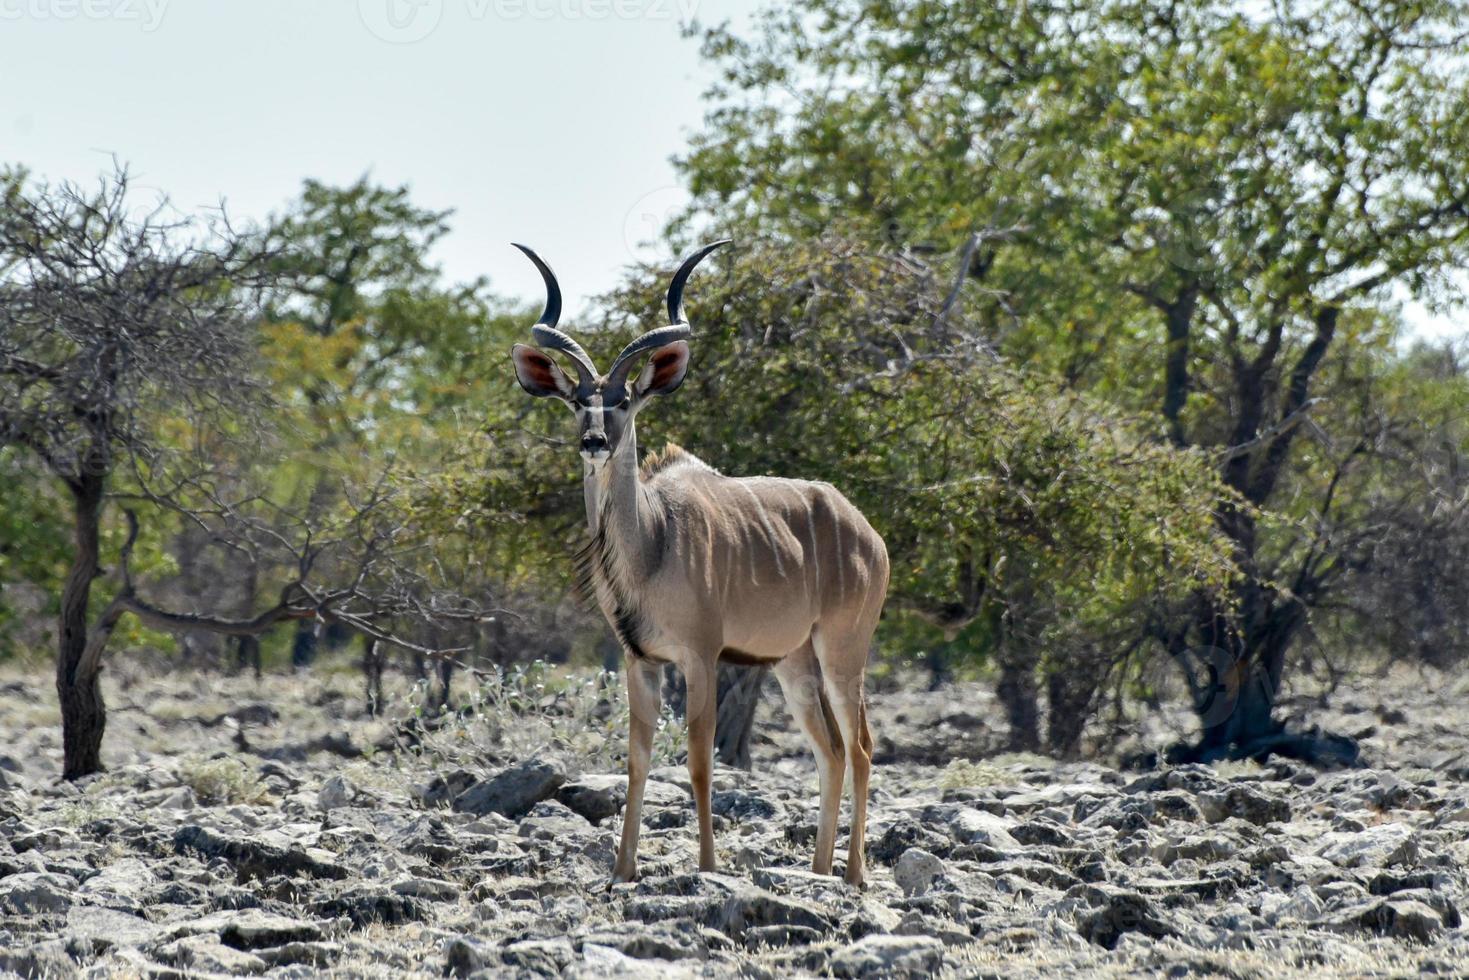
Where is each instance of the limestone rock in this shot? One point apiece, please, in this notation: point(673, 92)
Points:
point(889, 956)
point(35, 893)
point(513, 791)
point(916, 870)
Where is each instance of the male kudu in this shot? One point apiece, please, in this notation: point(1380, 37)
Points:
point(692, 567)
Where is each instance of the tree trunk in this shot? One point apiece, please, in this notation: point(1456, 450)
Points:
point(1018, 694)
point(1238, 681)
point(1236, 672)
point(372, 670)
point(303, 647)
point(1069, 696)
point(1236, 707)
point(247, 654)
point(247, 649)
point(611, 652)
point(939, 661)
point(739, 695)
point(446, 676)
point(83, 714)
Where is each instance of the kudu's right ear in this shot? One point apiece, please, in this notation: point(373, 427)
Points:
point(539, 375)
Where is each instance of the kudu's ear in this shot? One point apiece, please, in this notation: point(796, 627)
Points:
point(664, 371)
point(539, 375)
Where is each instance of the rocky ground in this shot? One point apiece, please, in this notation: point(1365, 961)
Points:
point(269, 828)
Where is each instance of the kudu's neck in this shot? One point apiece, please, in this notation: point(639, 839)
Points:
point(617, 504)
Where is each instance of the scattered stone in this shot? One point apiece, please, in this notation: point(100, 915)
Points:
point(970, 826)
point(318, 954)
point(780, 937)
point(370, 906)
point(604, 961)
point(1244, 803)
point(1176, 804)
point(549, 820)
point(547, 957)
point(906, 833)
point(1039, 833)
point(442, 790)
point(120, 885)
point(1111, 911)
point(207, 954)
point(786, 881)
point(253, 858)
point(889, 956)
point(599, 797)
point(915, 923)
point(250, 929)
point(432, 889)
point(595, 797)
point(513, 791)
point(1396, 918)
point(675, 941)
point(44, 959)
point(1005, 867)
point(741, 806)
point(916, 871)
point(35, 893)
point(336, 792)
point(748, 907)
point(464, 955)
point(1371, 847)
point(94, 929)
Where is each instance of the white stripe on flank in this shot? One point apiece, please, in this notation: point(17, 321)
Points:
point(769, 533)
point(813, 557)
point(836, 527)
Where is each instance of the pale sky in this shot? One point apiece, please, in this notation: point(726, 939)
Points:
point(544, 121)
point(549, 122)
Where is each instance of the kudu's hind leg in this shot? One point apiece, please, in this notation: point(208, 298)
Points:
point(844, 693)
point(800, 682)
point(644, 701)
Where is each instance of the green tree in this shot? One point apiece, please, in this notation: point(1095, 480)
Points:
point(33, 537)
point(1186, 209)
point(373, 354)
point(1019, 517)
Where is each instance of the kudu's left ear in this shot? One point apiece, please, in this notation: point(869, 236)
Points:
point(664, 371)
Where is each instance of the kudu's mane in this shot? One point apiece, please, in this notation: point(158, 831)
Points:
point(667, 458)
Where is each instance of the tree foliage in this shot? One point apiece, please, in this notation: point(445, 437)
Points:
point(129, 373)
point(1190, 210)
point(1018, 516)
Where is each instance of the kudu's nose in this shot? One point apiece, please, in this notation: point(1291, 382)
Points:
point(593, 443)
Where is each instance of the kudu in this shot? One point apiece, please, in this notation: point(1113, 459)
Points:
point(692, 567)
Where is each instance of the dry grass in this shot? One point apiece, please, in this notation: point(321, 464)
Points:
point(224, 781)
point(1000, 770)
point(536, 710)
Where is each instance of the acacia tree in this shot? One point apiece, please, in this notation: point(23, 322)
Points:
point(124, 335)
point(367, 347)
point(1182, 207)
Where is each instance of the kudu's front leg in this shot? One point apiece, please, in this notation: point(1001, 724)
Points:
point(702, 681)
point(644, 701)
